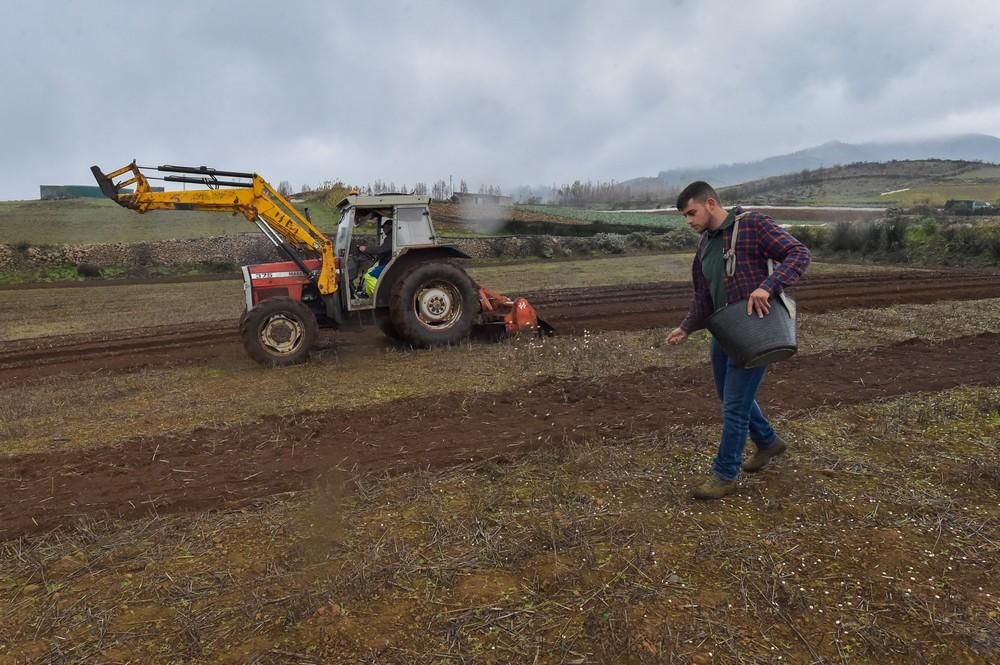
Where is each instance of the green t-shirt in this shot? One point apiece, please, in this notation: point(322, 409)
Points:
point(713, 264)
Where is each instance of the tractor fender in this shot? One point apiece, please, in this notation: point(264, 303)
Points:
point(411, 257)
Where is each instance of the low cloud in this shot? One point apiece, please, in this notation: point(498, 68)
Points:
point(518, 93)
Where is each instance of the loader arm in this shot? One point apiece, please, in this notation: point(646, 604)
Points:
point(253, 197)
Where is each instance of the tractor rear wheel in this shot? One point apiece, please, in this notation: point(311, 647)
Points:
point(279, 331)
point(434, 304)
point(384, 323)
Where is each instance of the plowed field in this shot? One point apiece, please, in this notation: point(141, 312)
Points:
point(570, 311)
point(166, 500)
point(202, 469)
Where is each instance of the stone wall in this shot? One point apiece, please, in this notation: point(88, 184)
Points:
point(247, 248)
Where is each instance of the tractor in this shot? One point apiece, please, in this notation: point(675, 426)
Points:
point(417, 294)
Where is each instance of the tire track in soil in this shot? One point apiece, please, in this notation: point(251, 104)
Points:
point(212, 468)
point(571, 311)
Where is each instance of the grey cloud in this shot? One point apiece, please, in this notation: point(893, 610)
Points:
point(525, 92)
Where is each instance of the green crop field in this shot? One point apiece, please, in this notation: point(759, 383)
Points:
point(913, 182)
point(82, 221)
point(78, 221)
point(939, 193)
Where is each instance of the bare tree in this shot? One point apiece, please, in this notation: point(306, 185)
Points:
point(440, 190)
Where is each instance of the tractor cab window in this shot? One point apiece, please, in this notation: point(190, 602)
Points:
point(413, 226)
point(344, 231)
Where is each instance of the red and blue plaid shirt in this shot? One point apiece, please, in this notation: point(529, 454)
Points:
point(759, 239)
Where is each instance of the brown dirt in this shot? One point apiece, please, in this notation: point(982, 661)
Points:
point(570, 311)
point(207, 468)
point(451, 215)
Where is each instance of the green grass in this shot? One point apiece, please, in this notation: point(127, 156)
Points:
point(84, 221)
point(928, 182)
point(988, 173)
point(70, 273)
point(47, 274)
point(95, 221)
point(937, 194)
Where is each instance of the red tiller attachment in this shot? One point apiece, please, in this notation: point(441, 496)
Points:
point(515, 315)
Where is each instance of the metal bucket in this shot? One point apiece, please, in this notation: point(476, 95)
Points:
point(751, 341)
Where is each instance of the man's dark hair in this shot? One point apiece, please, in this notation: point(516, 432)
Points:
point(699, 191)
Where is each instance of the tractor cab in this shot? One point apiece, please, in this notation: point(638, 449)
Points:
point(411, 230)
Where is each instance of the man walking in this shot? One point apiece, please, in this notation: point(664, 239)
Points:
point(758, 239)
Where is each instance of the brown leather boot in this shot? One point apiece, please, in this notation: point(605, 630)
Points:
point(760, 458)
point(714, 488)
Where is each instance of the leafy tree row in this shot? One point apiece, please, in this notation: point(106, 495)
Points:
point(439, 190)
point(901, 239)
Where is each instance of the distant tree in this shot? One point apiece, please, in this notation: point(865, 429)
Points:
point(420, 189)
point(306, 188)
point(439, 190)
point(284, 188)
point(463, 187)
point(336, 192)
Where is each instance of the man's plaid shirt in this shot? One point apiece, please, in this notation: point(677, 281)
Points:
point(759, 239)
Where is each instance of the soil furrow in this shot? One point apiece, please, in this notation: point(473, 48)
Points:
point(571, 311)
point(210, 467)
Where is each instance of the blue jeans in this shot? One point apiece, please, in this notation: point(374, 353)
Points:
point(737, 389)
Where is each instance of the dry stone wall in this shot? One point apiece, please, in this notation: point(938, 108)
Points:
point(247, 248)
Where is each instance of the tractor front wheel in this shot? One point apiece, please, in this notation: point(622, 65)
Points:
point(279, 331)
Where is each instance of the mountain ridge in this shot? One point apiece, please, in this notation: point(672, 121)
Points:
point(965, 147)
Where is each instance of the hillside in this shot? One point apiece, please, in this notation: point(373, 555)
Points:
point(910, 183)
point(966, 147)
point(85, 220)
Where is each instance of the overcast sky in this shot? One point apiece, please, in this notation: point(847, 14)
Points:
point(505, 93)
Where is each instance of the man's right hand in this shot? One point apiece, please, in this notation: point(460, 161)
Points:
point(676, 336)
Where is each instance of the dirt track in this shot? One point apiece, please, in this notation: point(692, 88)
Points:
point(208, 468)
point(570, 311)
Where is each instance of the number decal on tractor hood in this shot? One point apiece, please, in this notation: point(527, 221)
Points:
point(276, 275)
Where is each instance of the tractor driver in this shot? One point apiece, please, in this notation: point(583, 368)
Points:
point(384, 251)
point(380, 255)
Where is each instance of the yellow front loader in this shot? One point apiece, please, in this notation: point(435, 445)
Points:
point(254, 198)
